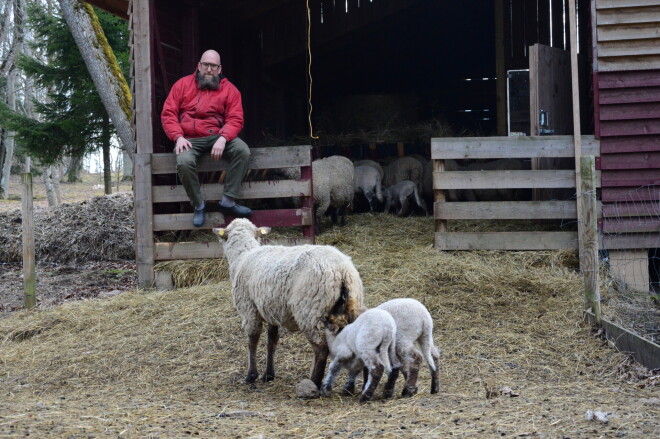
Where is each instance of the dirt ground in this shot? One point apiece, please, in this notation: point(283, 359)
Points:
point(517, 358)
point(58, 283)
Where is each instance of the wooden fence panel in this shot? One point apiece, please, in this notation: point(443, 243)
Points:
point(500, 148)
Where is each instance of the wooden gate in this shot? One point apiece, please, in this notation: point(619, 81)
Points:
point(523, 147)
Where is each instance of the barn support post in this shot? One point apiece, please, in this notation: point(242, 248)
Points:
point(589, 238)
point(27, 221)
point(142, 85)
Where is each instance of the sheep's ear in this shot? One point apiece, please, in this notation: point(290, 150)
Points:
point(261, 231)
point(220, 232)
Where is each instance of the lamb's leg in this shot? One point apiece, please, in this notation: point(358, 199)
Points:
point(435, 383)
point(405, 205)
point(273, 338)
point(349, 387)
point(375, 374)
point(333, 370)
point(410, 388)
point(253, 341)
point(320, 358)
point(391, 382)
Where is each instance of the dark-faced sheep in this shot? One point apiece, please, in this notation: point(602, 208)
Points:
point(298, 288)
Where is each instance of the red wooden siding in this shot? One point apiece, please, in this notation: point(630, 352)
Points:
point(628, 107)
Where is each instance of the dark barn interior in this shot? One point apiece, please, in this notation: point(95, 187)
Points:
point(380, 69)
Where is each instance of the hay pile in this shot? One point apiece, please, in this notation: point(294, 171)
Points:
point(101, 229)
point(517, 358)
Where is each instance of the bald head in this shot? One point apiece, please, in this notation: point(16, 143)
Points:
point(210, 56)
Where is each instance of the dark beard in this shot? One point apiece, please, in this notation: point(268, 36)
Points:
point(203, 83)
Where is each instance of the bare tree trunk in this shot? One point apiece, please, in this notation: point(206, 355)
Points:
point(127, 161)
point(48, 184)
point(73, 169)
point(56, 182)
point(107, 164)
point(103, 67)
point(9, 137)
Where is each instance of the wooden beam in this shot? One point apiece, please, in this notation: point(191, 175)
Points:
point(274, 218)
point(260, 158)
point(505, 210)
point(212, 249)
point(143, 208)
point(511, 147)
point(506, 241)
point(645, 352)
point(504, 179)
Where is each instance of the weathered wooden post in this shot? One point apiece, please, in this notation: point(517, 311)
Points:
point(589, 239)
point(29, 271)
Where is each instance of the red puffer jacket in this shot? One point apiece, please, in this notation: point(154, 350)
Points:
point(191, 112)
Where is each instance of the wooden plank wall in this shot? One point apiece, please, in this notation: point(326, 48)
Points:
point(628, 35)
point(627, 95)
point(261, 158)
point(497, 148)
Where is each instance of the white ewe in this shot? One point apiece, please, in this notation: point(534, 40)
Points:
point(333, 187)
point(296, 287)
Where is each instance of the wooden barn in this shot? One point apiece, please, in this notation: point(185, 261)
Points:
point(500, 68)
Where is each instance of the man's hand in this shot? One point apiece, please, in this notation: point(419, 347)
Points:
point(218, 148)
point(182, 145)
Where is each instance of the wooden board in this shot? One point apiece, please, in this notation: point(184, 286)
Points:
point(630, 160)
point(631, 225)
point(503, 179)
point(630, 177)
point(641, 143)
point(510, 147)
point(631, 241)
point(550, 89)
point(645, 352)
point(630, 195)
point(210, 249)
point(507, 241)
point(260, 158)
point(274, 218)
point(249, 191)
point(505, 210)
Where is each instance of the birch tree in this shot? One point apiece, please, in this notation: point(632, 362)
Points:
point(12, 33)
point(103, 67)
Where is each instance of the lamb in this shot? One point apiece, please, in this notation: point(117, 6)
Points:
point(333, 187)
point(367, 181)
point(405, 168)
point(399, 195)
point(298, 288)
point(368, 342)
point(414, 325)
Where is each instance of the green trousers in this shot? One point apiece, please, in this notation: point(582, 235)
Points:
point(236, 152)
